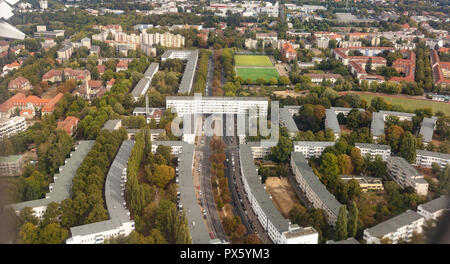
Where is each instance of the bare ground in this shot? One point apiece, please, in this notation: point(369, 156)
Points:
point(282, 194)
point(287, 93)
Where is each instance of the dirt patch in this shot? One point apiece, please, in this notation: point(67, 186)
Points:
point(287, 93)
point(344, 129)
point(283, 69)
point(50, 93)
point(282, 194)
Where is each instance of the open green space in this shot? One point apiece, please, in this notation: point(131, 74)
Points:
point(412, 103)
point(252, 60)
point(255, 73)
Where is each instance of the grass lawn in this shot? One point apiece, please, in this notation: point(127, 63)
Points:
point(252, 60)
point(255, 73)
point(412, 103)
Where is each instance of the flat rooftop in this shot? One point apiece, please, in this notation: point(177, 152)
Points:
point(314, 183)
point(393, 224)
point(373, 146)
point(258, 189)
point(437, 204)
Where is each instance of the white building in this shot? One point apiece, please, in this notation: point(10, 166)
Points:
point(216, 105)
point(374, 150)
point(187, 81)
point(277, 227)
point(143, 85)
point(406, 175)
point(316, 193)
point(435, 208)
point(312, 149)
point(43, 4)
point(425, 158)
point(300, 235)
point(400, 227)
point(11, 126)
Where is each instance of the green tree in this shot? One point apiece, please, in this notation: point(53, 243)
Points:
point(329, 165)
point(341, 224)
point(28, 234)
point(408, 147)
point(353, 220)
point(53, 234)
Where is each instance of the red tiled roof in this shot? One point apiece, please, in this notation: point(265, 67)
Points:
point(50, 106)
point(122, 64)
point(94, 84)
point(68, 124)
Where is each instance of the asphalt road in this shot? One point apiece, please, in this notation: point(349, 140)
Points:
point(206, 187)
point(243, 209)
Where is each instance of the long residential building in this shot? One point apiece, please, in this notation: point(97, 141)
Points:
point(277, 227)
point(119, 222)
point(187, 81)
point(62, 181)
point(287, 121)
point(374, 150)
point(427, 129)
point(397, 228)
point(331, 120)
point(312, 149)
point(425, 158)
point(314, 190)
point(378, 119)
point(142, 86)
point(216, 105)
point(434, 208)
point(406, 175)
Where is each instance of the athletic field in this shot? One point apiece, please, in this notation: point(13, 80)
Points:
point(252, 60)
point(255, 73)
point(412, 103)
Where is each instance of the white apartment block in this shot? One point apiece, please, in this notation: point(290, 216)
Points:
point(166, 39)
point(312, 149)
point(11, 165)
point(187, 81)
point(11, 126)
point(397, 228)
point(316, 193)
point(278, 228)
point(406, 175)
point(216, 105)
point(435, 208)
point(374, 150)
point(300, 235)
point(426, 158)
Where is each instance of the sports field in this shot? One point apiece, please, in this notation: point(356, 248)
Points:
point(255, 73)
point(252, 60)
point(412, 103)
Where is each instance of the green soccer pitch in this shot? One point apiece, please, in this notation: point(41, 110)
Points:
point(252, 60)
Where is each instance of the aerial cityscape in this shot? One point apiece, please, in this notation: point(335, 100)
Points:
point(224, 122)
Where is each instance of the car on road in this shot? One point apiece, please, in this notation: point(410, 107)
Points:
point(204, 212)
point(211, 235)
point(199, 192)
